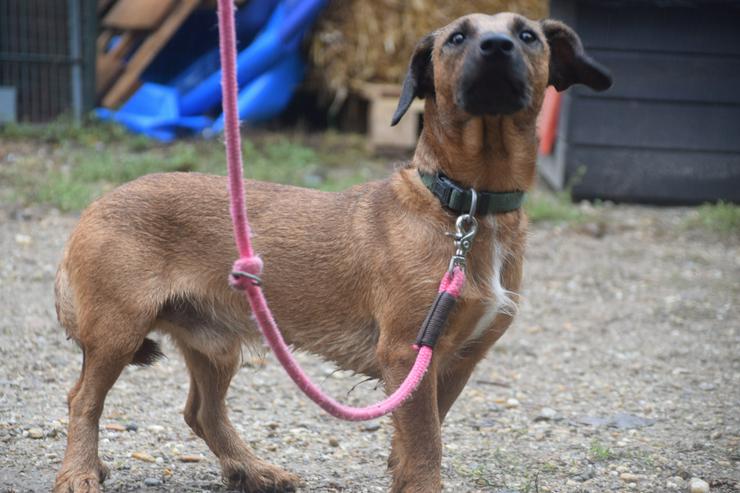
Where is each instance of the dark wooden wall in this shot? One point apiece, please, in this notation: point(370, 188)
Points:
point(668, 131)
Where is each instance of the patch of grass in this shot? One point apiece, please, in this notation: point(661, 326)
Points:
point(532, 484)
point(549, 467)
point(599, 452)
point(67, 166)
point(545, 206)
point(64, 130)
point(643, 457)
point(477, 475)
point(65, 194)
point(722, 217)
point(73, 187)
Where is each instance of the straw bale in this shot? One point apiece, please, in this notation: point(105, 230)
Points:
point(360, 41)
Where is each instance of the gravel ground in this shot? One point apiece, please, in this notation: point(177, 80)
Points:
point(621, 373)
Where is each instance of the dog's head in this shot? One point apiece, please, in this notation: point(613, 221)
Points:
point(497, 65)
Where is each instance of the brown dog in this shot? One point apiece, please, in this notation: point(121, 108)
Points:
point(349, 275)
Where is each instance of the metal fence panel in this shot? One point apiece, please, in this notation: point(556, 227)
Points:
point(47, 50)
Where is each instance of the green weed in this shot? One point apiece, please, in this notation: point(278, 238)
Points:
point(64, 130)
point(722, 217)
point(67, 166)
point(599, 452)
point(545, 206)
point(478, 475)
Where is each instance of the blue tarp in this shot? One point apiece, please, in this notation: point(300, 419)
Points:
point(182, 98)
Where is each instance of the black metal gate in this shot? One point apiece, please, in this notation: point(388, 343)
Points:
point(47, 57)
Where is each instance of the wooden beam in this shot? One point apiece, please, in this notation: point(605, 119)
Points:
point(143, 15)
point(146, 53)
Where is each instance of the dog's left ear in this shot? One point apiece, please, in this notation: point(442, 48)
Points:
point(569, 64)
point(419, 81)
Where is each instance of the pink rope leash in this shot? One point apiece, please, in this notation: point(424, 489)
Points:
point(249, 267)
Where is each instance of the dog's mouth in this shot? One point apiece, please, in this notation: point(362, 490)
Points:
point(491, 89)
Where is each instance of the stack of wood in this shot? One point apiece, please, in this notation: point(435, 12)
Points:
point(132, 33)
point(142, 28)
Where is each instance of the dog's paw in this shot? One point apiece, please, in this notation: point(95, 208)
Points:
point(69, 481)
point(77, 482)
point(415, 485)
point(259, 477)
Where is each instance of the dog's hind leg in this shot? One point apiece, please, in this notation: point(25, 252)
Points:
point(103, 360)
point(205, 412)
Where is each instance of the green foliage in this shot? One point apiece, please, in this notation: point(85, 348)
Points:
point(64, 130)
point(722, 217)
point(532, 484)
point(477, 475)
point(68, 166)
point(545, 206)
point(598, 452)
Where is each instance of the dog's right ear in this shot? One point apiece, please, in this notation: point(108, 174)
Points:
point(419, 81)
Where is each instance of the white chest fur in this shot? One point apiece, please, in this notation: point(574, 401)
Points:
point(501, 301)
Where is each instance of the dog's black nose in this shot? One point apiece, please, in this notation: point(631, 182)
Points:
point(496, 45)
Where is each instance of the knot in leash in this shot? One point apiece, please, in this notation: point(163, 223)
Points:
point(246, 270)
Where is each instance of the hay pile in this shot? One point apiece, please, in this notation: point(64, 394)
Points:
point(359, 41)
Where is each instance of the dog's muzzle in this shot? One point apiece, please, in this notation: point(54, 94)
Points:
point(494, 78)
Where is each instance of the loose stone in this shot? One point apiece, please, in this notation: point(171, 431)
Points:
point(546, 414)
point(698, 485)
point(155, 428)
point(629, 477)
point(512, 403)
point(152, 482)
point(143, 456)
point(190, 458)
point(36, 433)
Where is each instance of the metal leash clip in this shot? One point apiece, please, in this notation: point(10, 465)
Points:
point(252, 277)
point(466, 227)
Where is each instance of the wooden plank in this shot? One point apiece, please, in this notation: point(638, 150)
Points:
point(648, 124)
point(380, 133)
point(103, 39)
point(127, 41)
point(709, 29)
point(373, 91)
point(654, 176)
point(137, 14)
point(107, 68)
point(382, 101)
point(669, 77)
point(146, 52)
point(103, 5)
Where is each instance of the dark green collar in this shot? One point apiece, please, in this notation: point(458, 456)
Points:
point(456, 198)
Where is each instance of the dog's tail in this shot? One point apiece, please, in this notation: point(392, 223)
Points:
point(64, 303)
point(148, 353)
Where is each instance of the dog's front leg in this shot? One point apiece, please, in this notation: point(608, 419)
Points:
point(417, 444)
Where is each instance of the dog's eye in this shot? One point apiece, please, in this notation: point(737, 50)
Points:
point(527, 36)
point(457, 39)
